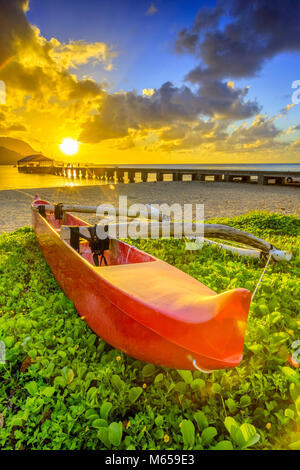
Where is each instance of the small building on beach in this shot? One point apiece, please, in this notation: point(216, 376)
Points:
point(36, 160)
point(32, 163)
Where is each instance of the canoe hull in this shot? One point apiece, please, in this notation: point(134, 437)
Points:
point(83, 285)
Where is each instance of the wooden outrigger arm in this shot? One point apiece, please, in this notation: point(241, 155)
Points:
point(161, 225)
point(150, 214)
point(223, 232)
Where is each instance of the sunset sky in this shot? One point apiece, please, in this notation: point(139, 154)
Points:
point(168, 81)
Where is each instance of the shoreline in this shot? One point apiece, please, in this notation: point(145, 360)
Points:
point(219, 199)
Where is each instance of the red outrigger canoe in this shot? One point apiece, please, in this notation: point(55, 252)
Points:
point(143, 306)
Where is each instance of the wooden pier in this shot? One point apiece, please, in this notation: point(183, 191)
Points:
point(131, 174)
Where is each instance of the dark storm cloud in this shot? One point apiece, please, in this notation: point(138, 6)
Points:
point(206, 19)
point(24, 78)
point(84, 89)
point(14, 26)
point(255, 31)
point(118, 113)
point(123, 111)
point(225, 102)
point(262, 129)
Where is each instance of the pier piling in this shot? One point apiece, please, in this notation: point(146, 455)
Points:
point(125, 173)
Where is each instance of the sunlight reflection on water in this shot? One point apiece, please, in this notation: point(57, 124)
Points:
point(10, 178)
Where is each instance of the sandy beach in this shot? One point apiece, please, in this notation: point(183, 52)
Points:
point(219, 199)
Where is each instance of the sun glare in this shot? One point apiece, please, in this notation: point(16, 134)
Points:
point(69, 146)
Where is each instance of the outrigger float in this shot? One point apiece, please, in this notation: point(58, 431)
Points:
point(141, 305)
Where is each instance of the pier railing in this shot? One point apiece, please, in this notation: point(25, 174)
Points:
point(123, 174)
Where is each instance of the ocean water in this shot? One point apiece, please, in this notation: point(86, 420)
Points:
point(10, 178)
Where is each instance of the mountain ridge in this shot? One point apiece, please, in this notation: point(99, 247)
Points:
point(12, 150)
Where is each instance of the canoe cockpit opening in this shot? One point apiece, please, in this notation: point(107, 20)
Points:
point(79, 235)
point(98, 247)
point(98, 252)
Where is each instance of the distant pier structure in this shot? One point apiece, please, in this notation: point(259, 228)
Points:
point(132, 173)
point(36, 163)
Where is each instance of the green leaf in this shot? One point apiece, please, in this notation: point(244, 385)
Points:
point(180, 387)
point(208, 434)
point(234, 431)
point(245, 400)
point(244, 435)
point(32, 353)
point(231, 405)
point(158, 378)
point(289, 413)
point(99, 423)
point(31, 388)
point(201, 420)
point(48, 391)
point(249, 434)
point(158, 433)
point(264, 309)
point(69, 376)
point(224, 445)
point(117, 382)
point(297, 405)
point(105, 409)
point(294, 391)
point(102, 434)
point(91, 396)
point(60, 381)
point(91, 340)
point(291, 374)
point(216, 388)
point(134, 394)
point(230, 424)
point(188, 433)
point(255, 348)
point(295, 445)
point(91, 414)
point(115, 433)
point(16, 421)
point(159, 420)
point(9, 341)
point(186, 375)
point(197, 384)
point(148, 370)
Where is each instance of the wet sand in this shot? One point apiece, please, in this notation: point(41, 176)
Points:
point(219, 199)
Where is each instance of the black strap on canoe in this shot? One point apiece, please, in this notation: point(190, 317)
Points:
point(42, 210)
point(58, 212)
point(74, 239)
point(97, 245)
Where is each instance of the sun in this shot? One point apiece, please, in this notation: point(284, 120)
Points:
point(69, 146)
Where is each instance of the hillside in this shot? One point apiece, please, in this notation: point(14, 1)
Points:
point(11, 150)
point(8, 157)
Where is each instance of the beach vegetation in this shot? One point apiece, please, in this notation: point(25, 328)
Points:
point(63, 387)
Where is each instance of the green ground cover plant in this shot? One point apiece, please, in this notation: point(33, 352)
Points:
point(62, 387)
